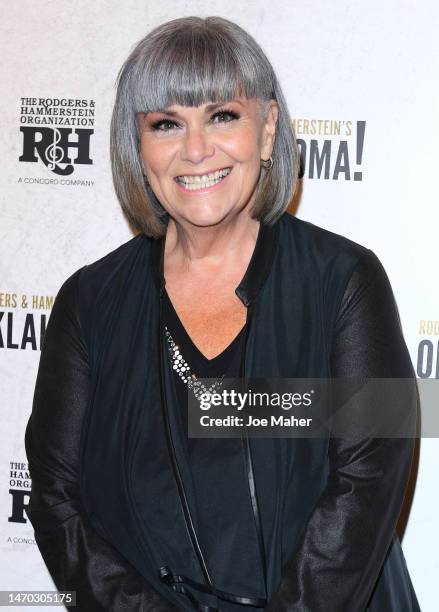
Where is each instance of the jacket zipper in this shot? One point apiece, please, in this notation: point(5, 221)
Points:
point(249, 462)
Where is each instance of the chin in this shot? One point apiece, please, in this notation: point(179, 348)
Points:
point(205, 220)
point(205, 216)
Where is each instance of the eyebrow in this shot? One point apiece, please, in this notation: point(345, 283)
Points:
point(209, 108)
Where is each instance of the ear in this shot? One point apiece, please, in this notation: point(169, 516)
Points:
point(269, 129)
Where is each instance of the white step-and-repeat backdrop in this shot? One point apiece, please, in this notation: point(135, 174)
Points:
point(361, 80)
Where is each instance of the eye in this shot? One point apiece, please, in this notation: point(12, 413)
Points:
point(164, 125)
point(224, 116)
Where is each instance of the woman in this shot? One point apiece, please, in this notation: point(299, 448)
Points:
point(129, 511)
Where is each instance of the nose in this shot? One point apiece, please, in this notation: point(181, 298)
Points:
point(196, 145)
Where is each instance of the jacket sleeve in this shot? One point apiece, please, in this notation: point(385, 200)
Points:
point(77, 557)
point(345, 541)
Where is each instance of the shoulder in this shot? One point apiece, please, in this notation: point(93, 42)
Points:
point(100, 281)
point(94, 276)
point(317, 243)
point(322, 255)
point(98, 274)
point(341, 267)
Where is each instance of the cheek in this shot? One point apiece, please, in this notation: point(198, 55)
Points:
point(155, 156)
point(243, 147)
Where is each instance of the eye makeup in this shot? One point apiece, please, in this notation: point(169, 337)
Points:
point(160, 124)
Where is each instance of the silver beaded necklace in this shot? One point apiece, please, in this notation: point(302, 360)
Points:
point(181, 366)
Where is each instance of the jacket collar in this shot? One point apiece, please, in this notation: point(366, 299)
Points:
point(257, 271)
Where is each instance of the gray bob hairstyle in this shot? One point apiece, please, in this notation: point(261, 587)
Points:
point(190, 61)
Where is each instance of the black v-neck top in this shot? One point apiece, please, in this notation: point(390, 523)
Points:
point(226, 363)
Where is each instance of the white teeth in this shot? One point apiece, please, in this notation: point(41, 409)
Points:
point(203, 181)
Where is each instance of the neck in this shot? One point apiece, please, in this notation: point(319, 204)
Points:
point(206, 249)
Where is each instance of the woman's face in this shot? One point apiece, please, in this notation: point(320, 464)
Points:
point(203, 162)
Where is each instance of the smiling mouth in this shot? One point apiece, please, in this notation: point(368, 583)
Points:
point(202, 181)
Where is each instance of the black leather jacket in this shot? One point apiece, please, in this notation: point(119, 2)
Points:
point(112, 502)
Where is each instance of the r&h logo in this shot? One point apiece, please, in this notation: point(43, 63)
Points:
point(59, 148)
point(54, 146)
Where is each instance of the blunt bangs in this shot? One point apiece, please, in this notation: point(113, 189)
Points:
point(191, 61)
point(193, 66)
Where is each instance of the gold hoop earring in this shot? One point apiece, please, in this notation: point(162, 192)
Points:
point(267, 163)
